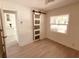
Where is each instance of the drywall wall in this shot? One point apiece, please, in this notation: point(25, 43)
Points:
point(42, 26)
point(71, 38)
point(23, 22)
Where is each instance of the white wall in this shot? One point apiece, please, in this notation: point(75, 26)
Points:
point(24, 14)
point(71, 38)
point(42, 26)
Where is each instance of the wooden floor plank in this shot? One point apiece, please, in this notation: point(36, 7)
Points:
point(41, 49)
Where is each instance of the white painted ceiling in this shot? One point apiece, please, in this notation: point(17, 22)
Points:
point(41, 4)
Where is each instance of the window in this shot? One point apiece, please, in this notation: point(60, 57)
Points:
point(36, 27)
point(59, 23)
point(8, 17)
point(37, 32)
point(37, 16)
point(37, 21)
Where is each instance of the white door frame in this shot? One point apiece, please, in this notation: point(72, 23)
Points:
point(9, 11)
point(2, 37)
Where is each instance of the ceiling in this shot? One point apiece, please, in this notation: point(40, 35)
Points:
point(42, 4)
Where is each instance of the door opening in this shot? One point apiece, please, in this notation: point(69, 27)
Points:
point(10, 29)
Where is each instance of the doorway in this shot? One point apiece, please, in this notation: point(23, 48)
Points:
point(10, 30)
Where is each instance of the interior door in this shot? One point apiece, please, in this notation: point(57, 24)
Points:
point(2, 39)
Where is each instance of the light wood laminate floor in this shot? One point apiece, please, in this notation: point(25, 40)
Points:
point(41, 49)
